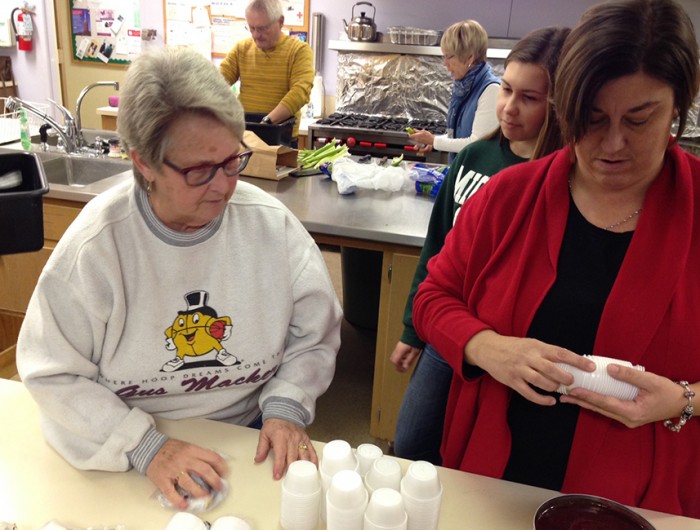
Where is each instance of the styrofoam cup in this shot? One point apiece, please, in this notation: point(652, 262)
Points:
point(347, 490)
point(421, 480)
point(302, 478)
point(337, 456)
point(229, 522)
point(186, 521)
point(346, 501)
point(384, 473)
point(366, 455)
point(300, 503)
point(423, 514)
point(385, 511)
point(599, 380)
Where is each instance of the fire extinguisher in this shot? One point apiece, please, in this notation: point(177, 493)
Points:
point(23, 28)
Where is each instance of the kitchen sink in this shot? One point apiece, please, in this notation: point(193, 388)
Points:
point(78, 171)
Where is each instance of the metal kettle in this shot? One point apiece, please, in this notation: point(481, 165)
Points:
point(362, 28)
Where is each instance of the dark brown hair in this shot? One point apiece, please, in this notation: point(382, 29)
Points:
point(541, 47)
point(621, 38)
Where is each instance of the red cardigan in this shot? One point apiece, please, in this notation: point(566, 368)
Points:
point(498, 263)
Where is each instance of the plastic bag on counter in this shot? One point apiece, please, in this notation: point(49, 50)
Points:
point(350, 175)
point(428, 179)
point(197, 504)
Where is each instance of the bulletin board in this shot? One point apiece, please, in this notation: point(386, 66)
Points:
point(214, 26)
point(105, 31)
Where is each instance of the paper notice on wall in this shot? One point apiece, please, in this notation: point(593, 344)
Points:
point(178, 10)
point(82, 48)
point(226, 33)
point(200, 18)
point(133, 41)
point(201, 41)
point(117, 24)
point(228, 8)
point(293, 11)
point(184, 34)
point(179, 34)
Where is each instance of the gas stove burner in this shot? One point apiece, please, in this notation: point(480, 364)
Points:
point(380, 123)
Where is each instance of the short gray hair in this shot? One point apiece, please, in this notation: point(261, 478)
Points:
point(160, 87)
point(272, 8)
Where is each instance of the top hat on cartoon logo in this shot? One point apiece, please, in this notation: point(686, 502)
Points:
point(197, 303)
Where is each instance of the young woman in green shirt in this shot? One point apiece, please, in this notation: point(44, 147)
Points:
point(527, 130)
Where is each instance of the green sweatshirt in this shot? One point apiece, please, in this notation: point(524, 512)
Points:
point(472, 168)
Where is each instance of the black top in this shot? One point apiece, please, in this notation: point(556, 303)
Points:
point(589, 261)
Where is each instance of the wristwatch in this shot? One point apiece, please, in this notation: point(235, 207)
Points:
point(266, 119)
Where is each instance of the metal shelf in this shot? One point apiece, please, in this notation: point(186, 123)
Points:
point(382, 47)
point(499, 52)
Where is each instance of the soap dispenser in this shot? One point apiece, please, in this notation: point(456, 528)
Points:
point(24, 134)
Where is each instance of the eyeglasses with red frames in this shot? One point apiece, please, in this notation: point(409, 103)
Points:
point(203, 174)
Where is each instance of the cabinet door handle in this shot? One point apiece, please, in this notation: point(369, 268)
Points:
point(388, 272)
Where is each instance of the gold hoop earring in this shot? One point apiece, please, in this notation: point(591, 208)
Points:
point(149, 187)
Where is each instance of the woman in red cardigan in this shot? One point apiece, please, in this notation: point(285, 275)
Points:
point(592, 250)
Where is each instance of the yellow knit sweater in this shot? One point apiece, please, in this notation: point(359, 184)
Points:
point(283, 74)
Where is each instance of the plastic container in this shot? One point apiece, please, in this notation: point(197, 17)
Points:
point(271, 134)
point(21, 212)
point(414, 36)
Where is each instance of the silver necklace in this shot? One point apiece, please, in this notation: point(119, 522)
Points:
point(619, 223)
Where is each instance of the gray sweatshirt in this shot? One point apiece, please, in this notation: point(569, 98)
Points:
point(132, 320)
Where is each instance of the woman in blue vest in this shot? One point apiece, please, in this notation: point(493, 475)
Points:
point(472, 111)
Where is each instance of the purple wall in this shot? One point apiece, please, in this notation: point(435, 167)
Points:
point(494, 15)
point(501, 18)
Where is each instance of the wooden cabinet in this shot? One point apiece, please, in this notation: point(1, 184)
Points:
point(389, 385)
point(19, 274)
point(108, 118)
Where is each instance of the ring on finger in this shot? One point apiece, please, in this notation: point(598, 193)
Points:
point(180, 474)
point(303, 446)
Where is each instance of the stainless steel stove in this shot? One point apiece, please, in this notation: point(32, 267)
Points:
point(378, 136)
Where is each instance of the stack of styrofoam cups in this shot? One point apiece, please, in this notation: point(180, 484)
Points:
point(301, 497)
point(366, 455)
point(384, 473)
point(186, 521)
point(421, 490)
point(346, 501)
point(229, 522)
point(385, 511)
point(599, 380)
point(337, 456)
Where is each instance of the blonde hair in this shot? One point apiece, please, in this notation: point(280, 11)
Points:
point(464, 39)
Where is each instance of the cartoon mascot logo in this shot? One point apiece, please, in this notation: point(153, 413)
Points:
point(198, 331)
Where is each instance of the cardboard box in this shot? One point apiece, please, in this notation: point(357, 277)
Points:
point(272, 162)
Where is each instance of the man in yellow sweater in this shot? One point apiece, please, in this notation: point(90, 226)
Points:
point(276, 71)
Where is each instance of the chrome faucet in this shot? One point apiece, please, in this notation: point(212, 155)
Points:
point(68, 131)
point(71, 131)
point(82, 94)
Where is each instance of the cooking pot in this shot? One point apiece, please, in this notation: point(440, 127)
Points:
point(362, 28)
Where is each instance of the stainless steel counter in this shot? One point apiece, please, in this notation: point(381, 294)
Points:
point(399, 218)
